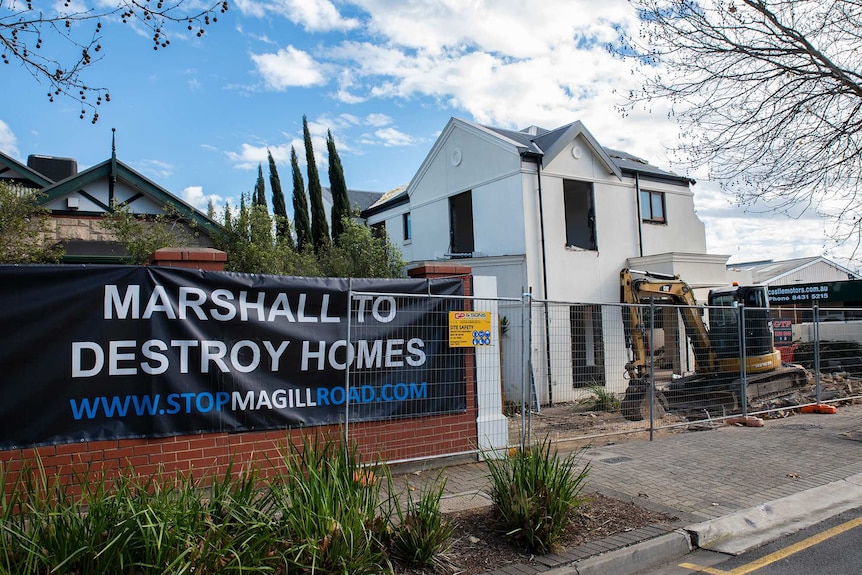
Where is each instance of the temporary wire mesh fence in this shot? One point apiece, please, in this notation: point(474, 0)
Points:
point(573, 371)
point(602, 369)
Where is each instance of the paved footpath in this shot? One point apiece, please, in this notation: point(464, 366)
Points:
point(732, 487)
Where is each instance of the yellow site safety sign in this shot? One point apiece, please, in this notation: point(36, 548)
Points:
point(469, 328)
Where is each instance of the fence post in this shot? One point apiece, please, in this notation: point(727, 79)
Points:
point(651, 368)
point(349, 364)
point(743, 372)
point(548, 354)
point(817, 352)
point(526, 351)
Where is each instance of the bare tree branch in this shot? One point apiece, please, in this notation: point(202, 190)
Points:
point(57, 44)
point(768, 94)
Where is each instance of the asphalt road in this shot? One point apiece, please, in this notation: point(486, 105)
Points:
point(832, 547)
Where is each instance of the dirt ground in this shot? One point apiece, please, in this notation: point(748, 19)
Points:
point(479, 545)
point(578, 424)
point(574, 425)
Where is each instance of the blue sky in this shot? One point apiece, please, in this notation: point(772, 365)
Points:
point(384, 76)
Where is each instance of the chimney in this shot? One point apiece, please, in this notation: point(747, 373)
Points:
point(53, 168)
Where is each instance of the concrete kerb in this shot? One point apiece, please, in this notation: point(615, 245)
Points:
point(744, 530)
point(732, 534)
point(632, 559)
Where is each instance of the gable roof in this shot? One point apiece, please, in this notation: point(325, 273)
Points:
point(390, 199)
point(549, 143)
point(359, 199)
point(116, 171)
point(540, 143)
point(8, 163)
point(763, 272)
point(635, 165)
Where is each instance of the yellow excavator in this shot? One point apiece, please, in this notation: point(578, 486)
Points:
point(718, 366)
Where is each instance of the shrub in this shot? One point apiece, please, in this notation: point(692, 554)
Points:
point(324, 515)
point(422, 535)
point(604, 400)
point(535, 492)
point(332, 512)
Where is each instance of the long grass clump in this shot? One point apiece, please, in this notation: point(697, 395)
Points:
point(423, 534)
point(333, 517)
point(535, 492)
point(327, 513)
point(130, 525)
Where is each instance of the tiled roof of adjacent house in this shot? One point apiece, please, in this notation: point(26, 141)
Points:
point(764, 271)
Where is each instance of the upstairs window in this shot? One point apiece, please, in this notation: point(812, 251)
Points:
point(461, 225)
point(652, 207)
point(580, 215)
point(378, 230)
point(408, 229)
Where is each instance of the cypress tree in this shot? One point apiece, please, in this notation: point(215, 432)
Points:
point(259, 198)
point(319, 226)
point(338, 187)
point(300, 205)
point(279, 209)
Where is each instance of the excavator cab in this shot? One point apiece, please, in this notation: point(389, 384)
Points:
point(725, 307)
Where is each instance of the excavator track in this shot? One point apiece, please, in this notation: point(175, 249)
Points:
point(712, 394)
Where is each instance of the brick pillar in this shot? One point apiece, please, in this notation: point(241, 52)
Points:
point(434, 270)
point(197, 258)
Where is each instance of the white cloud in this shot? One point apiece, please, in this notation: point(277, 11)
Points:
point(499, 63)
point(250, 155)
point(195, 196)
point(504, 26)
point(155, 169)
point(288, 67)
point(313, 15)
point(392, 137)
point(8, 141)
point(378, 120)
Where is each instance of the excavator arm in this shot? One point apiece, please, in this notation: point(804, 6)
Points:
point(662, 289)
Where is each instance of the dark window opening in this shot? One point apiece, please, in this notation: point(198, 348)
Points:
point(580, 215)
point(588, 351)
point(461, 225)
point(408, 229)
point(652, 207)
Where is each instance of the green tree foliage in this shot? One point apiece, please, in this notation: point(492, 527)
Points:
point(319, 227)
point(24, 226)
point(252, 247)
point(248, 248)
point(359, 254)
point(143, 235)
point(338, 188)
point(279, 209)
point(300, 205)
point(260, 188)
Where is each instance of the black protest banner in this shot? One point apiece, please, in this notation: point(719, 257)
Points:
point(107, 352)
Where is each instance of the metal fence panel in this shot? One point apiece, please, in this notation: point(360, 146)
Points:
point(440, 381)
point(576, 371)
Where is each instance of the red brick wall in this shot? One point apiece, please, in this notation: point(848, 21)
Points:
point(204, 454)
